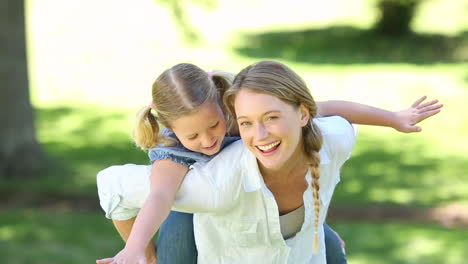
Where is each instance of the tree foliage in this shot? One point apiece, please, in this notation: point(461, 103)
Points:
point(179, 14)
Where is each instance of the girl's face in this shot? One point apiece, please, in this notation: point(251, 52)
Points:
point(202, 131)
point(270, 128)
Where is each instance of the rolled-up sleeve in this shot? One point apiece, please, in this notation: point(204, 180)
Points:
point(123, 189)
point(162, 153)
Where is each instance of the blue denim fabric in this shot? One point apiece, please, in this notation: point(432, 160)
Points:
point(335, 254)
point(176, 242)
point(180, 154)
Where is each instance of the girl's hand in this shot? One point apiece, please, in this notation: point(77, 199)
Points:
point(126, 256)
point(408, 118)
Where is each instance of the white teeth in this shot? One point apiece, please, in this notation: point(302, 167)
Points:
point(269, 146)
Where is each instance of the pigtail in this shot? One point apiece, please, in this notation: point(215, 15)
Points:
point(223, 81)
point(146, 131)
point(312, 144)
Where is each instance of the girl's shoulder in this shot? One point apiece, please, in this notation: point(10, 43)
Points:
point(180, 154)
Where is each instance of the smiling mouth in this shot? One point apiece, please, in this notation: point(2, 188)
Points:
point(212, 146)
point(270, 147)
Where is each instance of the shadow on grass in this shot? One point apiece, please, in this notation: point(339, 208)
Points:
point(397, 171)
point(349, 45)
point(79, 142)
point(30, 236)
point(402, 243)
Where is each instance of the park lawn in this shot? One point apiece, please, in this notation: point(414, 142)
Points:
point(402, 243)
point(33, 236)
point(86, 94)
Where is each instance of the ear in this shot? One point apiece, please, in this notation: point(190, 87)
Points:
point(304, 115)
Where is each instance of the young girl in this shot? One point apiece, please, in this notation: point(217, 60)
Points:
point(186, 100)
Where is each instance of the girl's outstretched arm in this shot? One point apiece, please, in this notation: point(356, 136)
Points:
point(166, 177)
point(403, 121)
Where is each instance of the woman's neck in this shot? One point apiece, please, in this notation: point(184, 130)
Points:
point(294, 167)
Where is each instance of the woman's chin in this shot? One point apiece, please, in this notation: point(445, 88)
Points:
point(269, 163)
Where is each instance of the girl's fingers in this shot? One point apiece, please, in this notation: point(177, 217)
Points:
point(428, 103)
point(428, 114)
point(415, 104)
point(104, 261)
point(429, 108)
point(413, 129)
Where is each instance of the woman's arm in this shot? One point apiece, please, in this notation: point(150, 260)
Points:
point(403, 121)
point(166, 177)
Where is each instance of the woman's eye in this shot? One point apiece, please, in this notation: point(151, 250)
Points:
point(192, 138)
point(245, 123)
point(271, 118)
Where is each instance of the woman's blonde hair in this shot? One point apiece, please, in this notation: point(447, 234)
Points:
point(178, 91)
point(278, 80)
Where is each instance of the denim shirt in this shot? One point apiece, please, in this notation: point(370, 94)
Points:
point(180, 154)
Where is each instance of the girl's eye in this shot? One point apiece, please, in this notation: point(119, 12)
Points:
point(245, 123)
point(215, 125)
point(192, 137)
point(271, 118)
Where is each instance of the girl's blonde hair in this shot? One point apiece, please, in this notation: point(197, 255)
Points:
point(278, 80)
point(178, 91)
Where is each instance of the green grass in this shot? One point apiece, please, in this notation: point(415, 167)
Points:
point(35, 237)
point(401, 243)
point(79, 141)
point(401, 169)
point(55, 237)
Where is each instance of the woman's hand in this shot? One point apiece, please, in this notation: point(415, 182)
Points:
point(406, 120)
point(127, 256)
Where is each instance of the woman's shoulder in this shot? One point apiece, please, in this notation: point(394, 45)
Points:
point(228, 161)
point(338, 135)
point(334, 125)
point(233, 151)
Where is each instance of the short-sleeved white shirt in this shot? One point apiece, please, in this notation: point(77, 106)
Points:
point(236, 216)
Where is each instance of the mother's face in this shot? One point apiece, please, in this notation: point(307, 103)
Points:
point(270, 128)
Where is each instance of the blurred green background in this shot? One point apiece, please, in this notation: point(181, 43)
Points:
point(402, 198)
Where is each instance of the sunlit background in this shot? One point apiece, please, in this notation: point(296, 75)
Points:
point(403, 198)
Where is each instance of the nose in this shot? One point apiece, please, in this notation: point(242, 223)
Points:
point(207, 140)
point(260, 132)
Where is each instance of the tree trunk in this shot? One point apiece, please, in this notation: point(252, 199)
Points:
point(20, 153)
point(396, 16)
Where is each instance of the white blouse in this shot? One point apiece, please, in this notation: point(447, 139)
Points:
point(236, 216)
